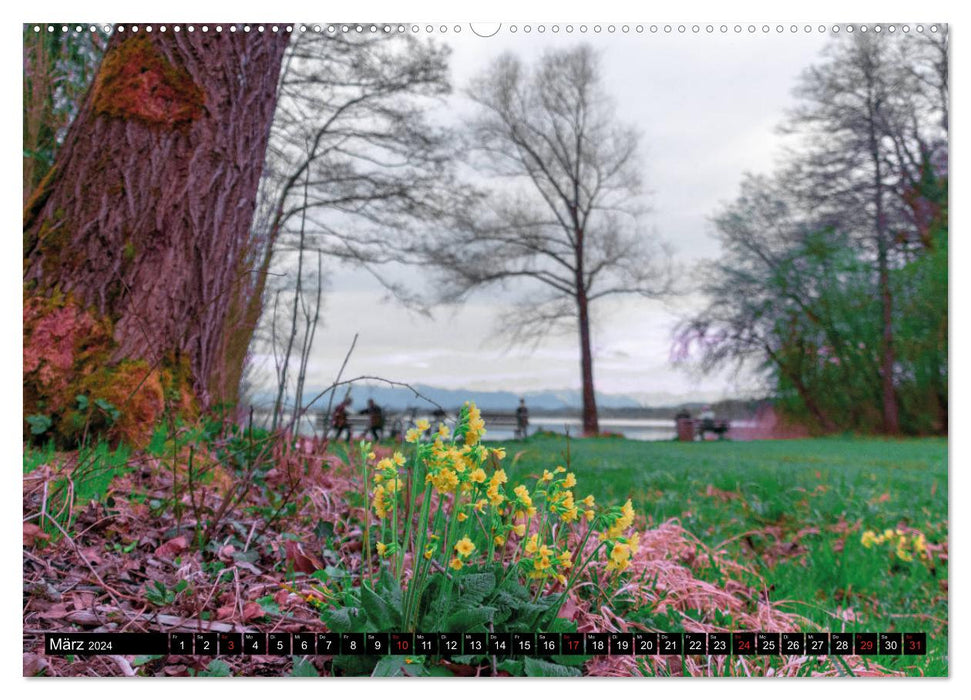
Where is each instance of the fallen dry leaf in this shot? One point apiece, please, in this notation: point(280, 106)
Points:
point(34, 664)
point(252, 610)
point(299, 559)
point(32, 533)
point(173, 547)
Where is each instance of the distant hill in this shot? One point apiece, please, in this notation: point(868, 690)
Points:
point(553, 402)
point(399, 398)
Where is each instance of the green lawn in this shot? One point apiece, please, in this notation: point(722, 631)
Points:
point(774, 490)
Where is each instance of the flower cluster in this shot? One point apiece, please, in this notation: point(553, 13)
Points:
point(451, 506)
point(620, 546)
point(905, 545)
point(386, 482)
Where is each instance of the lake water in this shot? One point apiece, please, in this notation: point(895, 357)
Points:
point(631, 428)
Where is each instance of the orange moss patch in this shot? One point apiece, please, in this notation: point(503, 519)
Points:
point(60, 341)
point(135, 390)
point(136, 81)
point(69, 377)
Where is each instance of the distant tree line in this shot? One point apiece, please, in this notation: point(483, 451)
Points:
point(832, 279)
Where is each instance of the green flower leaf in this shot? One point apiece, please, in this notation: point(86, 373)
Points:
point(469, 618)
point(344, 619)
point(546, 669)
point(302, 668)
point(382, 612)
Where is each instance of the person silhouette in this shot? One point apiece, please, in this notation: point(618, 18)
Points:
point(522, 419)
point(375, 419)
point(340, 419)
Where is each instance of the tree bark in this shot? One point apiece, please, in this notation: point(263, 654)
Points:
point(591, 422)
point(146, 217)
point(891, 413)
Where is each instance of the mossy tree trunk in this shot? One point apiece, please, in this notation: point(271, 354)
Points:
point(145, 218)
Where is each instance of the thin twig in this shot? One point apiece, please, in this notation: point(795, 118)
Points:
point(330, 401)
point(110, 591)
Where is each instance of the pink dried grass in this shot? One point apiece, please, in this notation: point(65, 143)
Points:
point(665, 576)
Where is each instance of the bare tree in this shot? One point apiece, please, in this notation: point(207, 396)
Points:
point(299, 327)
point(352, 128)
point(822, 264)
point(565, 209)
point(765, 307)
point(870, 125)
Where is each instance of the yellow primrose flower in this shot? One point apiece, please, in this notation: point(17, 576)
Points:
point(588, 501)
point(382, 548)
point(442, 430)
point(498, 477)
point(380, 507)
point(561, 578)
point(444, 481)
point(868, 539)
point(565, 560)
point(559, 470)
point(475, 426)
point(531, 545)
point(520, 529)
point(371, 455)
point(619, 557)
point(462, 517)
point(399, 459)
point(547, 475)
point(465, 547)
point(422, 424)
point(570, 481)
point(429, 551)
point(625, 521)
point(456, 563)
point(499, 452)
point(478, 476)
point(413, 435)
point(589, 515)
point(523, 495)
point(499, 540)
point(920, 542)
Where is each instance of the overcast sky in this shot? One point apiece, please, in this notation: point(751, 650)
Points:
point(708, 107)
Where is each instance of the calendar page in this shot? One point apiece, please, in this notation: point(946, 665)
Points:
point(451, 349)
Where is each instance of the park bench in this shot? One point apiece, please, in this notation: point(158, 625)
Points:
point(690, 429)
point(717, 426)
